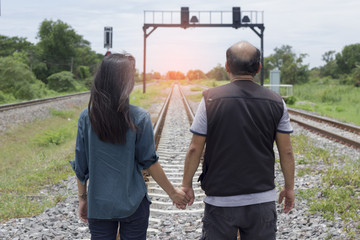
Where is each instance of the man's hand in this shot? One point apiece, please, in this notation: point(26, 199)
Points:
point(179, 198)
point(190, 193)
point(83, 206)
point(289, 199)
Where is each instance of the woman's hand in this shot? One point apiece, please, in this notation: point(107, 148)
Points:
point(83, 206)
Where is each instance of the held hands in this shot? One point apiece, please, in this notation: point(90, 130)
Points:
point(179, 198)
point(191, 196)
point(289, 199)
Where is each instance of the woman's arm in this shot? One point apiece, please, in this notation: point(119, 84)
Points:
point(83, 204)
point(176, 195)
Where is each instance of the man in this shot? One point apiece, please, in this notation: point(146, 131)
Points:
point(239, 123)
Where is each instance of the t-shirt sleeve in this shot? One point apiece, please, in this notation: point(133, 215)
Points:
point(199, 125)
point(284, 125)
point(145, 152)
point(80, 163)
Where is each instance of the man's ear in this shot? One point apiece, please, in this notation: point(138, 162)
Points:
point(259, 68)
point(227, 67)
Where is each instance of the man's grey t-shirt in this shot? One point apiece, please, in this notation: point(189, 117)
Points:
point(199, 127)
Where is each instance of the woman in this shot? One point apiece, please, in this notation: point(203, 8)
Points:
point(114, 144)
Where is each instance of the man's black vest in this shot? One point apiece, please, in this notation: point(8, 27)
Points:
point(242, 119)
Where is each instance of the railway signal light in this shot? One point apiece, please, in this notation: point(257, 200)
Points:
point(236, 17)
point(184, 16)
point(108, 36)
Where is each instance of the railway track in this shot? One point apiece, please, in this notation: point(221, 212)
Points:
point(341, 132)
point(172, 148)
point(7, 107)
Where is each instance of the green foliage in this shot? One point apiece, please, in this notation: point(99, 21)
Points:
point(83, 72)
point(17, 80)
point(338, 192)
point(196, 88)
point(348, 58)
point(291, 66)
point(328, 97)
point(218, 73)
point(195, 97)
point(62, 82)
point(5, 98)
point(26, 167)
point(290, 100)
point(62, 113)
point(10, 45)
point(58, 43)
point(195, 75)
point(56, 137)
point(330, 68)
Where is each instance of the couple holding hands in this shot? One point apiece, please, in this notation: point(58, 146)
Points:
point(239, 123)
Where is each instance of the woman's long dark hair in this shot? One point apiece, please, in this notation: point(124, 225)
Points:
point(109, 100)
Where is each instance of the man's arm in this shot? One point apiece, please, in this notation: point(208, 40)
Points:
point(288, 168)
point(176, 195)
point(192, 161)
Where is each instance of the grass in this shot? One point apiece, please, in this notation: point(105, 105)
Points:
point(36, 156)
point(30, 161)
point(330, 99)
point(154, 93)
point(195, 97)
point(196, 88)
point(338, 193)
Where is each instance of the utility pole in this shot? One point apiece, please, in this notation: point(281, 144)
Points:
point(71, 64)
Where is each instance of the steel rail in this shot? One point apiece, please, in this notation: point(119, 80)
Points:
point(188, 109)
point(325, 133)
point(6, 107)
point(161, 119)
point(345, 126)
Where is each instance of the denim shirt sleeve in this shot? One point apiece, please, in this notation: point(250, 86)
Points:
point(80, 163)
point(145, 144)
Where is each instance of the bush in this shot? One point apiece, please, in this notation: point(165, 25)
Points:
point(83, 72)
point(52, 137)
point(62, 82)
point(290, 100)
point(17, 80)
point(346, 79)
point(5, 98)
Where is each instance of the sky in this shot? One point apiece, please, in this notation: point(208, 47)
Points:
point(308, 26)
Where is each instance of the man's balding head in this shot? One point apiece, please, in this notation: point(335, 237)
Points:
point(243, 59)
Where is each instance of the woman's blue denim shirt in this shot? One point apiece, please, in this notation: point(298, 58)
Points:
point(116, 186)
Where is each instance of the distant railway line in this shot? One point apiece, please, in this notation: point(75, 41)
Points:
point(342, 132)
point(7, 107)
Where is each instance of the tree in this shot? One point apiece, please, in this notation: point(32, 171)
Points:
point(58, 44)
point(62, 82)
point(291, 66)
point(218, 73)
point(10, 45)
point(156, 75)
point(175, 75)
point(195, 74)
point(348, 58)
point(18, 81)
point(330, 68)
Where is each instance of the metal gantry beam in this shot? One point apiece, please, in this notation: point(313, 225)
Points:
point(253, 22)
